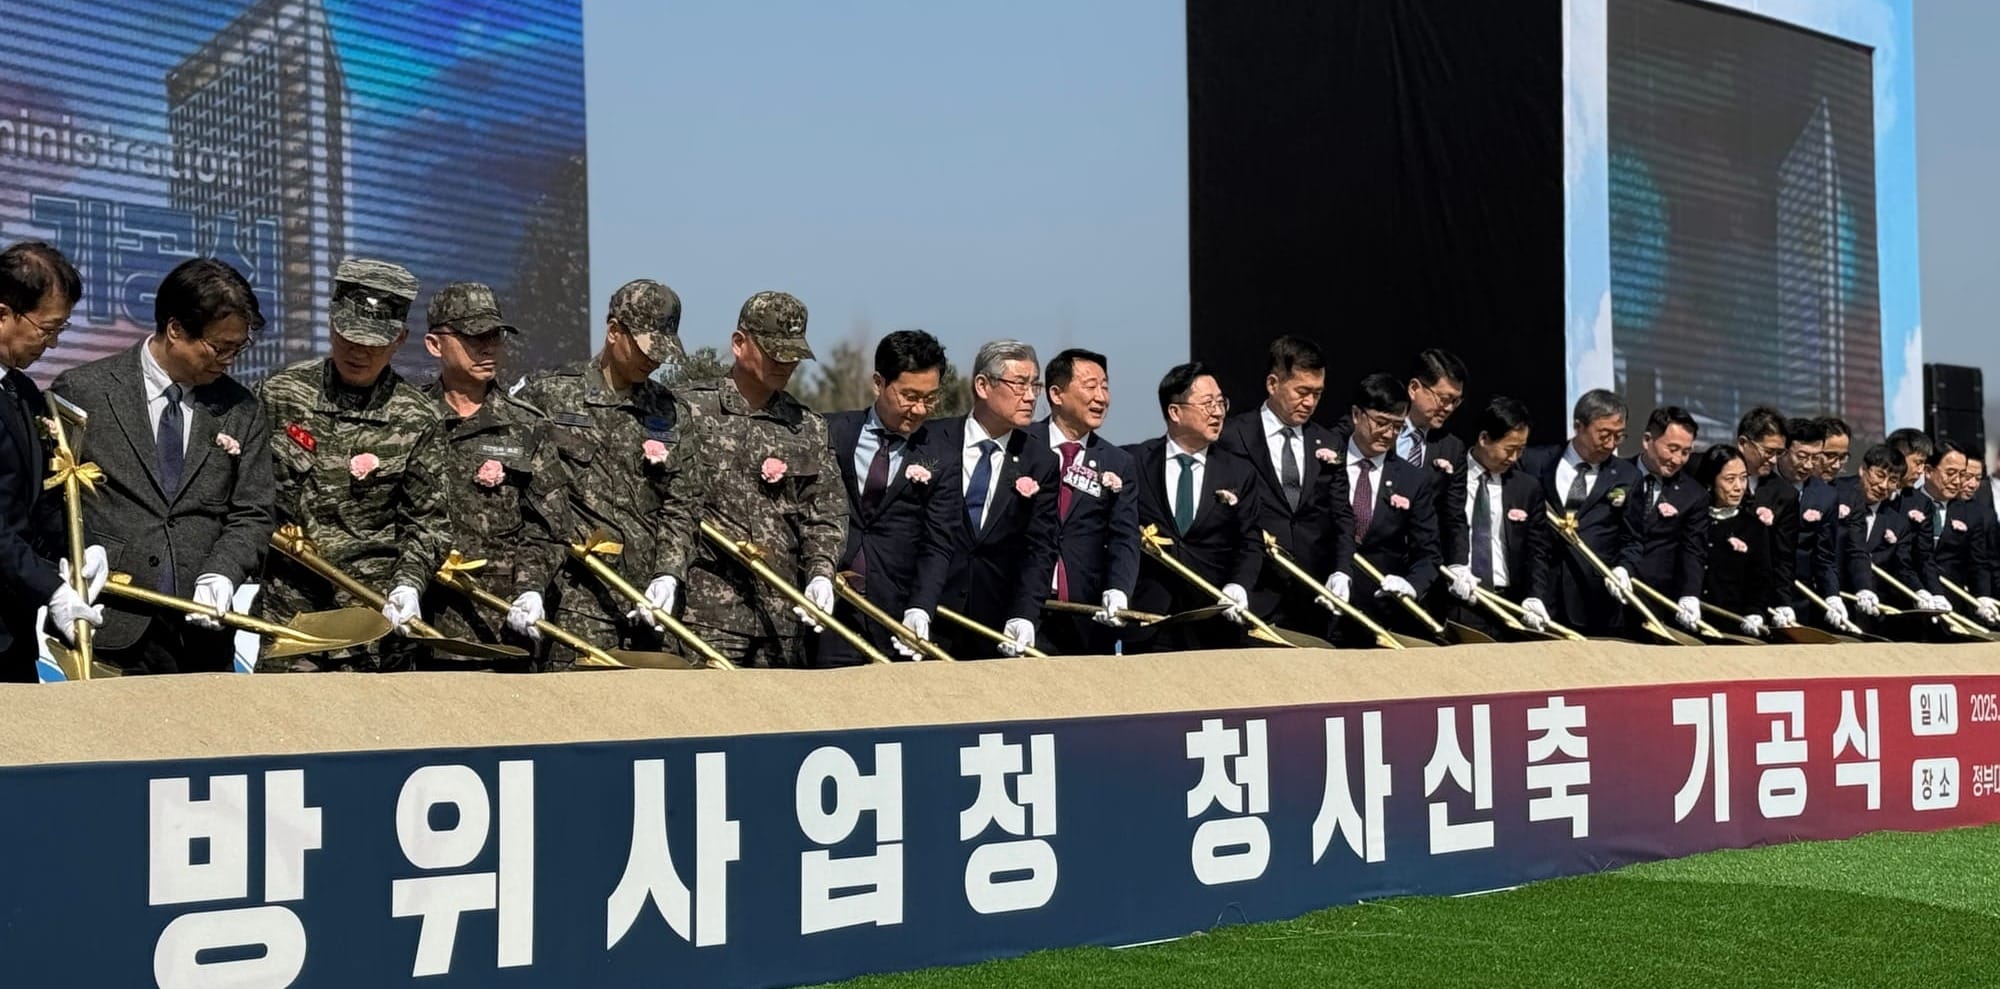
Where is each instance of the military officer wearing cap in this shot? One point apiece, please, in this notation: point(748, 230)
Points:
point(615, 430)
point(360, 463)
point(760, 468)
point(503, 478)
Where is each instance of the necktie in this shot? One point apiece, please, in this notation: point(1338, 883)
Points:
point(1482, 532)
point(1937, 520)
point(982, 476)
point(171, 454)
point(1184, 493)
point(1064, 492)
point(1416, 451)
point(1288, 468)
point(1649, 491)
point(1579, 488)
point(1364, 500)
point(878, 471)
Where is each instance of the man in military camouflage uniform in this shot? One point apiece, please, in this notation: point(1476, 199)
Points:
point(503, 477)
point(758, 466)
point(360, 464)
point(615, 430)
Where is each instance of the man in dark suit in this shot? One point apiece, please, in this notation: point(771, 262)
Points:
point(1817, 562)
point(1894, 533)
point(186, 504)
point(1301, 494)
point(1760, 437)
point(1666, 517)
point(1097, 507)
point(38, 288)
point(1585, 478)
point(1834, 456)
point(1436, 389)
point(1006, 549)
point(1964, 547)
point(1501, 537)
point(1395, 508)
point(1200, 498)
point(904, 506)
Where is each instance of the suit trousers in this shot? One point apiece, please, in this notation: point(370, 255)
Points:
point(171, 644)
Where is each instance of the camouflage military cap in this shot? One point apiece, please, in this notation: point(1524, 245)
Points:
point(371, 301)
point(467, 309)
point(647, 308)
point(777, 321)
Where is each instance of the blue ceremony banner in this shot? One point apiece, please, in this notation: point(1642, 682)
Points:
point(783, 859)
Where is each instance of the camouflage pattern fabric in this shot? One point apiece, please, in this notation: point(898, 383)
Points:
point(617, 452)
point(509, 506)
point(646, 307)
point(362, 473)
point(371, 301)
point(768, 476)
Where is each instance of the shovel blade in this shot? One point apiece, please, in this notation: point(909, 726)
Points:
point(341, 628)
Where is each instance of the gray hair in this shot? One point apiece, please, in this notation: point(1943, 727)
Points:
point(991, 361)
point(1599, 403)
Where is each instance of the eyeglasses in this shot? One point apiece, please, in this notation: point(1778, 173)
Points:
point(912, 399)
point(1445, 400)
point(1836, 459)
point(49, 333)
point(1383, 420)
point(1022, 386)
point(1212, 406)
point(224, 355)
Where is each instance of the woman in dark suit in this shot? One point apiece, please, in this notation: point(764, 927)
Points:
point(1738, 577)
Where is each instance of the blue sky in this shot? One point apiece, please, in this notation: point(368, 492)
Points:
point(976, 170)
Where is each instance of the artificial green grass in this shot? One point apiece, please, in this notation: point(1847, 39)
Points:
point(1885, 910)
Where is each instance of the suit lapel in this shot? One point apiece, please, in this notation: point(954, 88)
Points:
point(128, 409)
point(1258, 446)
point(912, 446)
point(1010, 468)
point(18, 423)
point(202, 428)
point(1315, 440)
point(1154, 466)
point(845, 438)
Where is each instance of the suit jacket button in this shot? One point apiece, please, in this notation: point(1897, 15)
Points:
point(153, 561)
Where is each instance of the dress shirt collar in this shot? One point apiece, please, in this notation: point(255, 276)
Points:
point(1354, 455)
point(974, 432)
point(1057, 437)
point(1272, 424)
point(153, 374)
point(1175, 449)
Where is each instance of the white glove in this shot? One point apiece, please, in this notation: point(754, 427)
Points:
point(1113, 603)
point(1464, 586)
point(1397, 586)
point(1688, 612)
point(401, 607)
point(1754, 625)
point(525, 612)
point(1619, 584)
point(1783, 616)
point(660, 594)
point(1869, 604)
point(66, 606)
point(1836, 613)
point(212, 590)
point(1989, 611)
point(1020, 637)
point(1238, 601)
point(96, 570)
point(917, 620)
point(1940, 603)
point(819, 591)
point(1338, 585)
point(1535, 614)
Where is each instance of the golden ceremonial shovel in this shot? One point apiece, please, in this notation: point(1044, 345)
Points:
point(290, 541)
point(457, 575)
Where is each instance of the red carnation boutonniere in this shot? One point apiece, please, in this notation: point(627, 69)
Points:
point(1845, 510)
point(1442, 464)
point(1026, 487)
point(362, 465)
point(1226, 496)
point(1917, 516)
point(1811, 515)
point(229, 444)
point(490, 474)
point(1738, 545)
point(773, 470)
point(1327, 455)
point(654, 451)
point(1889, 536)
point(1516, 515)
point(1667, 510)
point(1958, 525)
point(1111, 482)
point(1398, 502)
point(1764, 515)
point(917, 474)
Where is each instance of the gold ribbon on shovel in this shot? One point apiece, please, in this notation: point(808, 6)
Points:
point(1383, 637)
point(457, 575)
point(74, 477)
point(751, 556)
point(591, 552)
point(291, 541)
point(853, 595)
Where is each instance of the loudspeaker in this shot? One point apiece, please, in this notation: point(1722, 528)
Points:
point(1955, 404)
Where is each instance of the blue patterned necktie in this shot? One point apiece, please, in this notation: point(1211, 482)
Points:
point(982, 477)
